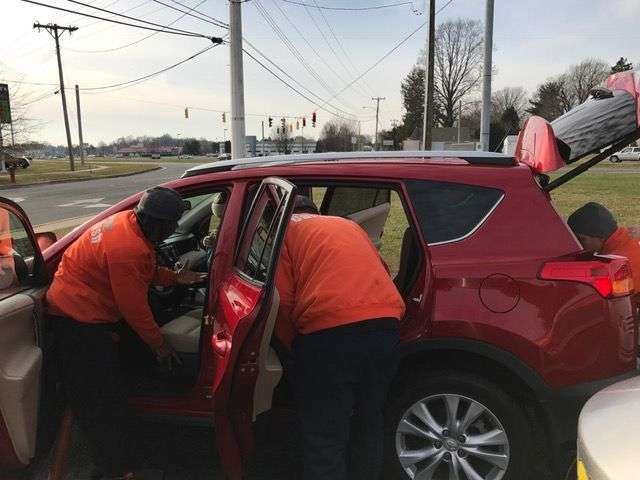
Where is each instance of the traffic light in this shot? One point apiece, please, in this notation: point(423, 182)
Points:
point(270, 122)
point(313, 119)
point(186, 112)
point(278, 130)
point(283, 122)
point(304, 122)
point(224, 117)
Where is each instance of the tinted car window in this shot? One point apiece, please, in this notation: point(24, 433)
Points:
point(16, 252)
point(449, 211)
point(256, 257)
point(347, 200)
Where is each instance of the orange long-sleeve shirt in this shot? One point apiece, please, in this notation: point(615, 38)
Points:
point(330, 274)
point(105, 276)
point(623, 244)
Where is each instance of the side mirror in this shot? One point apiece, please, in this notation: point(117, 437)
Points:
point(46, 239)
point(187, 205)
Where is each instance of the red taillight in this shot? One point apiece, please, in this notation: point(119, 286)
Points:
point(610, 277)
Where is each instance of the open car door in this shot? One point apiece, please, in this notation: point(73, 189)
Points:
point(22, 289)
point(247, 370)
point(605, 123)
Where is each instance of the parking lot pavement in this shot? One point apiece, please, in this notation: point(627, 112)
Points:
point(181, 453)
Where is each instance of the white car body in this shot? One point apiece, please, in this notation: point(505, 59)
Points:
point(609, 433)
point(629, 153)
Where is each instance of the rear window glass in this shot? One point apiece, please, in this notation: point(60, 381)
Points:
point(450, 211)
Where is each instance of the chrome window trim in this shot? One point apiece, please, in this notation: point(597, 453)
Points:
point(474, 229)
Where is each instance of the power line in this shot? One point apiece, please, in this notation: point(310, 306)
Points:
point(393, 49)
point(212, 20)
point(140, 40)
point(349, 9)
point(322, 107)
point(128, 17)
point(344, 52)
point(310, 45)
point(150, 75)
point(172, 32)
point(294, 51)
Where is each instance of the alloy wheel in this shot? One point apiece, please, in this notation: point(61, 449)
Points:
point(451, 437)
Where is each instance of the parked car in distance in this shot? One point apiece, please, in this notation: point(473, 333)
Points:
point(629, 153)
point(12, 161)
point(608, 437)
point(155, 156)
point(224, 156)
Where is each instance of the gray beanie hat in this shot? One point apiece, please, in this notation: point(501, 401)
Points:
point(161, 203)
point(593, 220)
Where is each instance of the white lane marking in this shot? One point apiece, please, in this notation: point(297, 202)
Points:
point(79, 203)
point(98, 205)
point(17, 199)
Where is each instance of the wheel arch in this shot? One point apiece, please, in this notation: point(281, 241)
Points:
point(474, 357)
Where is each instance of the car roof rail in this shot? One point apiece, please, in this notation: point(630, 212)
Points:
point(471, 157)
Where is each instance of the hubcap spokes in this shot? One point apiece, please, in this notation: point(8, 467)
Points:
point(451, 437)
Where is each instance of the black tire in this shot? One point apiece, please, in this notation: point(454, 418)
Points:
point(614, 159)
point(509, 412)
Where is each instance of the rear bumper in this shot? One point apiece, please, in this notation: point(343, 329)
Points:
point(562, 407)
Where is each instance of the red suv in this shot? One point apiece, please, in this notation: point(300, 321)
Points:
point(509, 327)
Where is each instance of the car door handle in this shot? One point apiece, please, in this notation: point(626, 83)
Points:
point(221, 343)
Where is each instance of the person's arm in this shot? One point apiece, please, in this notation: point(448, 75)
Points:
point(130, 285)
point(285, 284)
point(164, 277)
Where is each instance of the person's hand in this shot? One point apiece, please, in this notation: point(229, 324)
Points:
point(165, 353)
point(189, 277)
point(209, 240)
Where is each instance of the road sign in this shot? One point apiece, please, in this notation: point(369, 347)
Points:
point(5, 106)
point(354, 140)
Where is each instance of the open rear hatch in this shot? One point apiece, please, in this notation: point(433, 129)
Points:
point(606, 122)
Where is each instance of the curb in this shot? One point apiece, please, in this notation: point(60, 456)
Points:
point(69, 180)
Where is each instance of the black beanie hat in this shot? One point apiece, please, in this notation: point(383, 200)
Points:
point(593, 220)
point(161, 203)
point(304, 204)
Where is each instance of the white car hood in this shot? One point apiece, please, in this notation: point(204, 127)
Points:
point(609, 432)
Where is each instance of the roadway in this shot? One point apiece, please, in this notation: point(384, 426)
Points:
point(52, 202)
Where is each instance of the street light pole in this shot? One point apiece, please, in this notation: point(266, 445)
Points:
point(485, 118)
point(427, 118)
point(238, 147)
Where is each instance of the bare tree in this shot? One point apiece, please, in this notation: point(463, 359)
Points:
point(24, 126)
point(458, 58)
point(336, 136)
point(581, 78)
point(509, 98)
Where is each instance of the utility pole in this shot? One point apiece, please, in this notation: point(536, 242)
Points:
point(377, 100)
point(427, 121)
point(55, 31)
point(262, 149)
point(485, 118)
point(460, 121)
point(238, 148)
point(79, 126)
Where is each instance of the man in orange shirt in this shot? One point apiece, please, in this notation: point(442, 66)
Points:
point(598, 231)
point(104, 276)
point(339, 309)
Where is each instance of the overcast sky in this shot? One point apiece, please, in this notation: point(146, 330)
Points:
point(533, 40)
